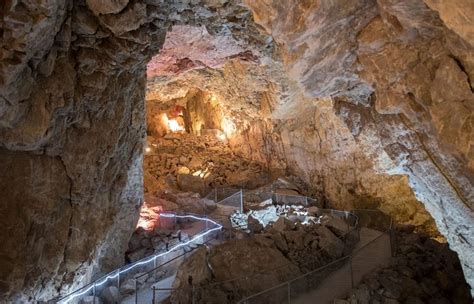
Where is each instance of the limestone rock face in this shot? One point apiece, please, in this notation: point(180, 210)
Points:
point(389, 64)
point(455, 15)
point(72, 128)
point(353, 101)
point(107, 6)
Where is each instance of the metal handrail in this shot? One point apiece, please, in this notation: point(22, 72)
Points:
point(349, 256)
point(262, 272)
point(114, 274)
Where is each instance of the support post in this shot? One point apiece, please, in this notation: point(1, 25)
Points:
point(215, 195)
point(93, 294)
point(306, 200)
point(136, 291)
point(118, 280)
point(241, 200)
point(154, 297)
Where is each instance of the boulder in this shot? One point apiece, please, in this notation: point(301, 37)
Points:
point(183, 170)
point(280, 242)
point(330, 243)
point(137, 254)
point(336, 224)
point(189, 182)
point(254, 225)
point(107, 6)
point(209, 205)
point(282, 224)
point(295, 238)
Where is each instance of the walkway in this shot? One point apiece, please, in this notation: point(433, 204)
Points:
point(146, 295)
point(372, 251)
point(376, 252)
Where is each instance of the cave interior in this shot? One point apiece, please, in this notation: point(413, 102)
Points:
point(237, 151)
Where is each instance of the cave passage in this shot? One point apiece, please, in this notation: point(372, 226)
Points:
point(221, 151)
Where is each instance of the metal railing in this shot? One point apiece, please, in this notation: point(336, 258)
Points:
point(197, 294)
point(237, 198)
point(318, 284)
point(116, 277)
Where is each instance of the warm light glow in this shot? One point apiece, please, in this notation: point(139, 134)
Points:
point(147, 149)
point(202, 173)
point(221, 136)
point(174, 125)
point(149, 217)
point(228, 126)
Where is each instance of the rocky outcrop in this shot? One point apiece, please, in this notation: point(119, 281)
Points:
point(421, 271)
point(386, 62)
point(72, 84)
point(352, 101)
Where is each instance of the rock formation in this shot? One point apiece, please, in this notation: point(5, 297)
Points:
point(370, 102)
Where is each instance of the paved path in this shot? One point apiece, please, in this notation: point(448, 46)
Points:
point(146, 295)
point(338, 284)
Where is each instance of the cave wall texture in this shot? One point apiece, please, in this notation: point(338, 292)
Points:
point(367, 100)
point(399, 74)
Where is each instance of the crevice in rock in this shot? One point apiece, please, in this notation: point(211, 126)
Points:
point(463, 69)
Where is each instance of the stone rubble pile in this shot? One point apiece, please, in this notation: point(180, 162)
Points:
point(304, 236)
point(423, 271)
point(197, 163)
point(146, 242)
point(266, 256)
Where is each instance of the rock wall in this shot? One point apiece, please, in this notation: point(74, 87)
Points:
point(72, 86)
point(72, 127)
point(398, 76)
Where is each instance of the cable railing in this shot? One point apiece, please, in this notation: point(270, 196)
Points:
point(237, 198)
point(152, 264)
point(199, 294)
point(337, 278)
point(116, 277)
point(349, 269)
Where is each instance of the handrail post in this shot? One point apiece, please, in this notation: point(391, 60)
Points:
point(93, 294)
point(154, 299)
point(241, 200)
point(118, 280)
point(136, 291)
